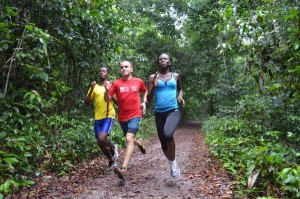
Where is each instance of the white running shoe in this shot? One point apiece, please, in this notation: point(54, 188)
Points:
point(116, 153)
point(175, 170)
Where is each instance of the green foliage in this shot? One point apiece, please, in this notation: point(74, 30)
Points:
point(48, 50)
point(31, 146)
point(238, 60)
point(247, 141)
point(147, 127)
point(290, 180)
point(117, 135)
point(257, 133)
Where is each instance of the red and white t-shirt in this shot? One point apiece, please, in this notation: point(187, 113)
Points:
point(128, 96)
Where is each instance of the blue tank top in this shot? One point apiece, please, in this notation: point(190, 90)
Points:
point(165, 95)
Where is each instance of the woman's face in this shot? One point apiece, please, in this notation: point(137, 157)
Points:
point(164, 61)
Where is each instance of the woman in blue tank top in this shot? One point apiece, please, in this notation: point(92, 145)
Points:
point(166, 87)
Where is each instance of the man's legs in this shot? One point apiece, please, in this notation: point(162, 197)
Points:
point(102, 129)
point(105, 145)
point(130, 140)
point(129, 128)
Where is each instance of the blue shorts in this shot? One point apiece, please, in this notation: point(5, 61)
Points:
point(131, 125)
point(103, 126)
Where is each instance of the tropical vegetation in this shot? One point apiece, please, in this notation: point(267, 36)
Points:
point(239, 62)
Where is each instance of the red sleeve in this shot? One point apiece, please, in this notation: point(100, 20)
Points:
point(111, 91)
point(143, 87)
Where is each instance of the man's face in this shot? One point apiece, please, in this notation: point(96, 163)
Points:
point(126, 68)
point(103, 73)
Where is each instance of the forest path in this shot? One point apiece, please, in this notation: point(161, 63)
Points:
point(148, 175)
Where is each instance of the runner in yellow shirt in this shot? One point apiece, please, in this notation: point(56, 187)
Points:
point(104, 116)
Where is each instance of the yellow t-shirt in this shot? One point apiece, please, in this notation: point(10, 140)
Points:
point(102, 108)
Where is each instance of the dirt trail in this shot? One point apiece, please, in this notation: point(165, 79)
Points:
point(148, 175)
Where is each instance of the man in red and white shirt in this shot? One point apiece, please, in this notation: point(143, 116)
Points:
point(130, 110)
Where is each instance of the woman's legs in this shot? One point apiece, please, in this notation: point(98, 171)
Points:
point(171, 124)
point(166, 124)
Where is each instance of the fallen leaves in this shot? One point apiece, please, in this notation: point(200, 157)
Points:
point(202, 176)
point(208, 172)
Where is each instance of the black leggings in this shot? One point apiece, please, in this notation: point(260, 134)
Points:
point(166, 124)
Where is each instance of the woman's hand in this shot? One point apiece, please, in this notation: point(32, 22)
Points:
point(181, 100)
point(155, 79)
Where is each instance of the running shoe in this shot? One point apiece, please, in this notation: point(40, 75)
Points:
point(121, 173)
point(116, 153)
point(142, 147)
point(175, 170)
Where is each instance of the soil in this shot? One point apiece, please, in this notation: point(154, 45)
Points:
point(148, 175)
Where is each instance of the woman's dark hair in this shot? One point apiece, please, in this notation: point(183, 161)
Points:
point(170, 58)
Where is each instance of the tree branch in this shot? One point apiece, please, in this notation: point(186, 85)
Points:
point(11, 60)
